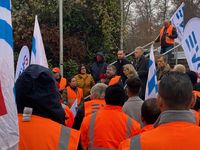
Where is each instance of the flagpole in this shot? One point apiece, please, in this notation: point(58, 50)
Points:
point(61, 35)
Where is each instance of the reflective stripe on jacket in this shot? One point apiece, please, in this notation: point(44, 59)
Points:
point(44, 134)
point(107, 128)
point(168, 40)
point(173, 131)
point(93, 106)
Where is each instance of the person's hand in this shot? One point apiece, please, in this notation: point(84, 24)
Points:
point(168, 34)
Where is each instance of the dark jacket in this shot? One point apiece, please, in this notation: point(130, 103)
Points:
point(98, 68)
point(141, 66)
point(36, 88)
point(162, 72)
point(197, 104)
point(119, 66)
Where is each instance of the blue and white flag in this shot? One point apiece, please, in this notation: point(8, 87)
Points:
point(23, 61)
point(152, 85)
point(191, 44)
point(177, 21)
point(38, 55)
point(9, 135)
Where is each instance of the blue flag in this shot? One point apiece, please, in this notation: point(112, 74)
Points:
point(152, 85)
point(8, 111)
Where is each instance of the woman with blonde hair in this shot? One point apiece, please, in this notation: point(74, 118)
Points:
point(129, 71)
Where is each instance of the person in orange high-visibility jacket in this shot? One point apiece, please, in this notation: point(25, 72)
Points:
point(114, 80)
point(93, 106)
point(62, 82)
point(41, 117)
point(46, 135)
point(97, 102)
point(149, 114)
point(72, 92)
point(69, 116)
point(97, 99)
point(166, 38)
point(106, 128)
point(176, 124)
point(112, 77)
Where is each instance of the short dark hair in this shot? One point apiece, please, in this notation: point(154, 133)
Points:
point(134, 84)
point(150, 111)
point(121, 50)
point(162, 56)
point(176, 90)
point(80, 66)
point(115, 95)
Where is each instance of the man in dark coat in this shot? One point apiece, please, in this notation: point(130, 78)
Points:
point(141, 66)
point(98, 67)
point(121, 61)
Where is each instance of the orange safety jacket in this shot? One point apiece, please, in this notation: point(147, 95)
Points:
point(93, 106)
point(196, 92)
point(69, 117)
point(169, 32)
point(44, 134)
point(173, 132)
point(63, 83)
point(107, 128)
point(147, 128)
point(72, 95)
point(114, 80)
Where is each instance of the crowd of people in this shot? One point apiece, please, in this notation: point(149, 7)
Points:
point(111, 111)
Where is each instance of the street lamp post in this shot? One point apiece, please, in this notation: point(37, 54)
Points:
point(61, 35)
point(122, 25)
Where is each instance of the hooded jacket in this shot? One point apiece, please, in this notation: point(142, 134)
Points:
point(36, 88)
point(98, 68)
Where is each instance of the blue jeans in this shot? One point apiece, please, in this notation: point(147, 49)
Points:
point(168, 55)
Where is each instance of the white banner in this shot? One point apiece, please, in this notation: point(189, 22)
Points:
point(152, 85)
point(9, 135)
point(23, 61)
point(38, 55)
point(191, 44)
point(177, 21)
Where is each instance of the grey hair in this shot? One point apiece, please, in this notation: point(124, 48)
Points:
point(98, 91)
point(140, 48)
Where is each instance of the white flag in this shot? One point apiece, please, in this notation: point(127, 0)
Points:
point(23, 61)
point(9, 135)
point(152, 85)
point(191, 44)
point(177, 21)
point(74, 108)
point(38, 55)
